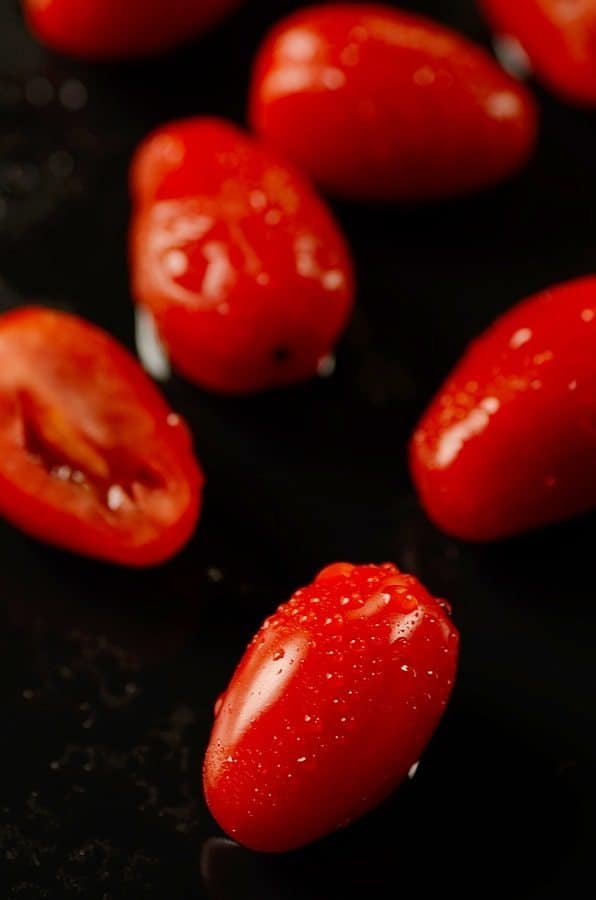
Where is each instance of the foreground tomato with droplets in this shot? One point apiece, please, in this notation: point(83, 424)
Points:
point(91, 457)
point(332, 704)
point(118, 29)
point(509, 442)
point(240, 264)
point(379, 104)
point(559, 39)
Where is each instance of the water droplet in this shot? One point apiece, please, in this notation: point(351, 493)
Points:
point(335, 570)
point(332, 280)
point(519, 338)
point(116, 497)
point(326, 366)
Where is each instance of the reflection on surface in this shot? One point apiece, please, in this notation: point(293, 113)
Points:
point(229, 872)
point(487, 815)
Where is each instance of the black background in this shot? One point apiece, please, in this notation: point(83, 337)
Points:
point(108, 677)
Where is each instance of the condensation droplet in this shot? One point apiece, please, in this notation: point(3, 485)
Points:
point(326, 366)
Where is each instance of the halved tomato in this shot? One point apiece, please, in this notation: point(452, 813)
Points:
point(91, 457)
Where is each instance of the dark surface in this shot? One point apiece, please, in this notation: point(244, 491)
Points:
point(108, 677)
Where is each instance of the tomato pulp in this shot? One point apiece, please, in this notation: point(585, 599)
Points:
point(91, 459)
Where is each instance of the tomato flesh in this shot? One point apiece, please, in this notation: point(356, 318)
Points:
point(92, 459)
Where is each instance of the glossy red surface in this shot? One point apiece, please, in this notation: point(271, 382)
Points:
point(111, 29)
point(242, 266)
point(559, 38)
point(91, 457)
point(379, 104)
point(509, 442)
point(333, 702)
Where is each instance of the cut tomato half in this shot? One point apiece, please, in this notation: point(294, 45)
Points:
point(91, 457)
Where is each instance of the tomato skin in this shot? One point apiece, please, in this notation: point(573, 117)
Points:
point(120, 29)
point(91, 458)
point(333, 702)
point(559, 39)
point(509, 442)
point(378, 104)
point(241, 265)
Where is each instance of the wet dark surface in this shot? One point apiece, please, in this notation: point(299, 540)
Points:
point(108, 677)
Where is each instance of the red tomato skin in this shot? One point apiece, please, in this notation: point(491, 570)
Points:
point(106, 30)
point(242, 266)
point(75, 404)
point(333, 702)
point(509, 442)
point(378, 104)
point(559, 39)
